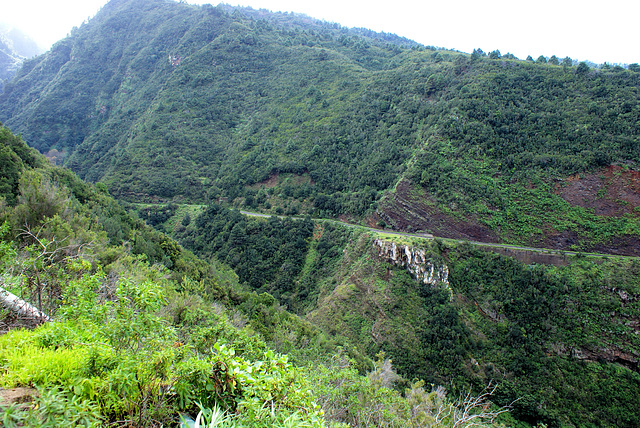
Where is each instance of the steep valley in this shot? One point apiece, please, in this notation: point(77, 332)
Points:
point(359, 294)
point(455, 314)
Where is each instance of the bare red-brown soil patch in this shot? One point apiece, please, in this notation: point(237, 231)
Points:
point(625, 245)
point(613, 191)
point(55, 156)
point(17, 395)
point(554, 239)
point(269, 183)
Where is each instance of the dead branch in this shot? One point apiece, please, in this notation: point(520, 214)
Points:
point(472, 410)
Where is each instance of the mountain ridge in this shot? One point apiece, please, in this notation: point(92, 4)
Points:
point(212, 103)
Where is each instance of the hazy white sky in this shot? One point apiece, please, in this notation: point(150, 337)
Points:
point(602, 31)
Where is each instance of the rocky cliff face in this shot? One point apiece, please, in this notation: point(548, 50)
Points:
point(415, 260)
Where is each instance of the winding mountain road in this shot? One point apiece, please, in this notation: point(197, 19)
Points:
point(430, 236)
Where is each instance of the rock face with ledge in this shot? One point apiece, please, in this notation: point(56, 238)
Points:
point(415, 260)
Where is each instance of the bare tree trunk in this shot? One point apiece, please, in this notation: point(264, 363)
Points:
point(20, 307)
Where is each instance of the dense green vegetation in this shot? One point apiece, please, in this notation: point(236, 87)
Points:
point(540, 330)
point(509, 129)
point(266, 255)
point(537, 330)
point(227, 79)
point(539, 321)
point(75, 253)
point(166, 101)
point(134, 310)
point(274, 321)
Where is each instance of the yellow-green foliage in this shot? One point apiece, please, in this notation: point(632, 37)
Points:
point(110, 347)
point(110, 356)
point(26, 362)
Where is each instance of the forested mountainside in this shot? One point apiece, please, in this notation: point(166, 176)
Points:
point(128, 82)
point(9, 61)
point(18, 42)
point(164, 101)
point(15, 46)
point(189, 113)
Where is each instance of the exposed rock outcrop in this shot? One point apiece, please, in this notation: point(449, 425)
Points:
point(415, 260)
point(612, 355)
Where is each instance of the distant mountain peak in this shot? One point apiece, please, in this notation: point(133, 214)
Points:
point(15, 47)
point(21, 43)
